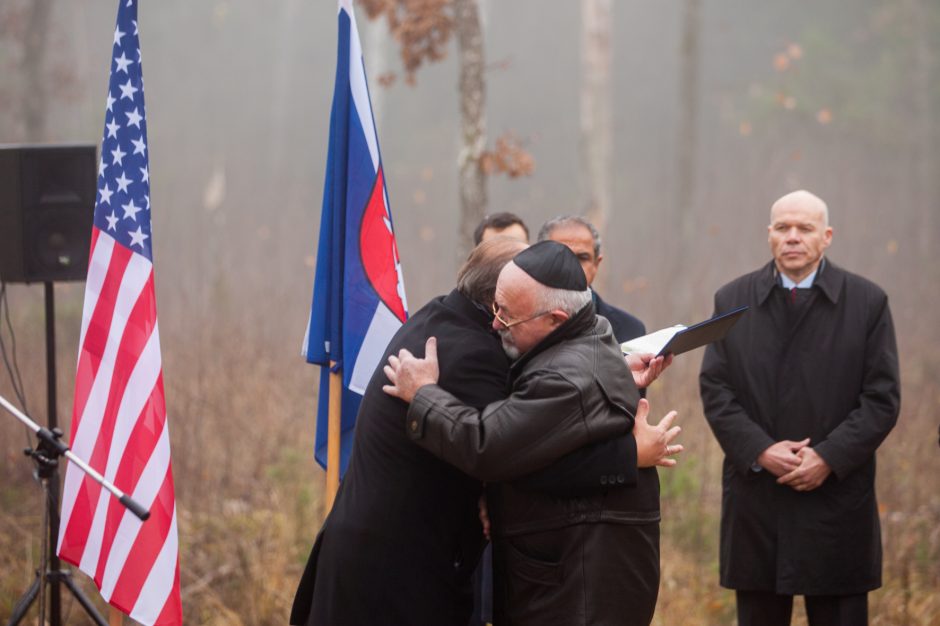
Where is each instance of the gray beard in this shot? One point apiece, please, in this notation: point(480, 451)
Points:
point(511, 351)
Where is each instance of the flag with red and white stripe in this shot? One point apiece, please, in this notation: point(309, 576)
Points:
point(358, 293)
point(119, 420)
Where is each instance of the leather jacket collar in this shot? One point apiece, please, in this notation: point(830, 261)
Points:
point(575, 326)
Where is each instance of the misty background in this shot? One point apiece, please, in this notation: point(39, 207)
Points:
point(717, 108)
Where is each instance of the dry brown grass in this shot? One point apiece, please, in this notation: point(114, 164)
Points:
point(908, 491)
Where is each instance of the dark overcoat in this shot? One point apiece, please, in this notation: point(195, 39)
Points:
point(825, 368)
point(624, 325)
point(403, 538)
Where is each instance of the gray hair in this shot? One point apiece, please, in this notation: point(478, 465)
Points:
point(571, 220)
point(569, 301)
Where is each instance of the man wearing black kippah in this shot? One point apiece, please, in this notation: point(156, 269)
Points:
point(558, 560)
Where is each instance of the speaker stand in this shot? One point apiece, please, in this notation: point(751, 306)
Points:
point(50, 573)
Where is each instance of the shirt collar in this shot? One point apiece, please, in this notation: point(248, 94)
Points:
point(828, 278)
point(806, 283)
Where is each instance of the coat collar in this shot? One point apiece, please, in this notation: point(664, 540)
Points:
point(599, 304)
point(829, 279)
point(468, 308)
point(576, 325)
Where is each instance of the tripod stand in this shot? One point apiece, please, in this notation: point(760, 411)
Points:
point(49, 572)
point(46, 457)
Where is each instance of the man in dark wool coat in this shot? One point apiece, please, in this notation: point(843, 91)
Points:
point(559, 561)
point(585, 241)
point(403, 538)
point(800, 394)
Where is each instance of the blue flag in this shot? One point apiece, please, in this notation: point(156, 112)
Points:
point(358, 294)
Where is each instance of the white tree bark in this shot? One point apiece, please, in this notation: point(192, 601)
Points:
point(682, 223)
point(34, 53)
point(596, 118)
point(472, 93)
point(376, 51)
point(924, 132)
point(687, 135)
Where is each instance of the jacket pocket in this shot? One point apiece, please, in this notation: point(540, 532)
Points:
point(531, 569)
point(540, 591)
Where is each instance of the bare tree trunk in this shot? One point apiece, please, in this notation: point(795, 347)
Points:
point(376, 56)
point(683, 223)
point(471, 179)
point(596, 127)
point(924, 134)
point(34, 49)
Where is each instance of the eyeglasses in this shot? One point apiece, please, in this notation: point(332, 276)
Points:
point(506, 324)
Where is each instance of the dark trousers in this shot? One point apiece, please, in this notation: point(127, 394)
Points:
point(765, 608)
point(483, 589)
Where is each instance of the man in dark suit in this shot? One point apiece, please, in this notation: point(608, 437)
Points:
point(403, 537)
point(503, 224)
point(800, 394)
point(582, 237)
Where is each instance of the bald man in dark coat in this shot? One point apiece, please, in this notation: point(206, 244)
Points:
point(800, 394)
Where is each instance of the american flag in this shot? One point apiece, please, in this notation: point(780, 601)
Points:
point(119, 415)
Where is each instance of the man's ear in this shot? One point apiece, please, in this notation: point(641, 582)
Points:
point(559, 317)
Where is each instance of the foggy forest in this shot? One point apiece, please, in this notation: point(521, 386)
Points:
point(672, 125)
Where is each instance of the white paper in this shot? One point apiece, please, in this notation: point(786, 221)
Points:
point(651, 343)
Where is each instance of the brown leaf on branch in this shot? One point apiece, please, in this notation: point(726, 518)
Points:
point(508, 157)
point(387, 79)
point(422, 27)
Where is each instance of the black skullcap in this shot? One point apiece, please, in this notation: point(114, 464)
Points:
point(552, 264)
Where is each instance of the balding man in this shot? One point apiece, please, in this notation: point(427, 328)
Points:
point(558, 560)
point(800, 394)
point(582, 237)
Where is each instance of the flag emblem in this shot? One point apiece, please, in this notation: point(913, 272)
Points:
point(358, 295)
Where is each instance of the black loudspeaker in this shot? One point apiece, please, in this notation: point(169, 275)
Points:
point(47, 205)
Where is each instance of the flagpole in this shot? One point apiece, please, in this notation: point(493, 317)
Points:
point(354, 212)
point(334, 426)
point(115, 617)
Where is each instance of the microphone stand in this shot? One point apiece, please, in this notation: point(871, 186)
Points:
point(46, 457)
